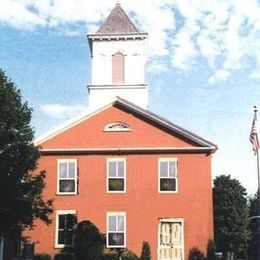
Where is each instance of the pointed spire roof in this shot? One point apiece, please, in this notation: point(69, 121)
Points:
point(117, 23)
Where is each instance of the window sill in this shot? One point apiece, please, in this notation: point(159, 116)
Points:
point(66, 194)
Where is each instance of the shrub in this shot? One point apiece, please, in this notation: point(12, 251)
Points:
point(110, 256)
point(65, 256)
point(211, 250)
point(42, 257)
point(89, 242)
point(196, 254)
point(129, 255)
point(146, 251)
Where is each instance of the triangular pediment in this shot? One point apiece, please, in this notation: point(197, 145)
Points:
point(123, 126)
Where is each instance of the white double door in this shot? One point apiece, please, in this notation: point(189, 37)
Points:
point(171, 240)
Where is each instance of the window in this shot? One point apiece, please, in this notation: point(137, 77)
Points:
point(117, 127)
point(65, 220)
point(67, 176)
point(116, 176)
point(168, 176)
point(118, 68)
point(116, 229)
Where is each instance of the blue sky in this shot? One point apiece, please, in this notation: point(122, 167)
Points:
point(203, 68)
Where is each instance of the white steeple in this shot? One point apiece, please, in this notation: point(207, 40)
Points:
point(119, 55)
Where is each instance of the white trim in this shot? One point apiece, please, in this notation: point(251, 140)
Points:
point(58, 213)
point(116, 159)
point(181, 220)
point(58, 192)
point(171, 159)
point(121, 213)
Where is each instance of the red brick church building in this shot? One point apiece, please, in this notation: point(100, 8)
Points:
point(135, 175)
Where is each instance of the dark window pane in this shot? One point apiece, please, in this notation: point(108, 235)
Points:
point(69, 236)
point(167, 184)
point(71, 221)
point(116, 239)
point(116, 184)
point(61, 237)
point(67, 186)
point(62, 221)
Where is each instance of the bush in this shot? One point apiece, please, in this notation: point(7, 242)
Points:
point(196, 254)
point(129, 255)
point(42, 257)
point(89, 242)
point(211, 250)
point(110, 256)
point(65, 256)
point(146, 251)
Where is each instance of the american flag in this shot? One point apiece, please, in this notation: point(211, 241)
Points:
point(253, 136)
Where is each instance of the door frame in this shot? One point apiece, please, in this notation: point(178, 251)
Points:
point(172, 220)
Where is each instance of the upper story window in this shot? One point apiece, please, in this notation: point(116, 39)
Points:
point(65, 220)
point(116, 175)
point(116, 229)
point(118, 68)
point(67, 176)
point(117, 127)
point(168, 175)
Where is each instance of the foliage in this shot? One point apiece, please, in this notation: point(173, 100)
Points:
point(89, 242)
point(254, 226)
point(230, 215)
point(21, 200)
point(211, 250)
point(65, 256)
point(42, 257)
point(111, 256)
point(196, 254)
point(129, 255)
point(146, 251)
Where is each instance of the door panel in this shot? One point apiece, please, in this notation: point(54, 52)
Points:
point(171, 240)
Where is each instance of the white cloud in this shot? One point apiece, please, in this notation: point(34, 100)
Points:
point(59, 111)
point(219, 75)
point(224, 33)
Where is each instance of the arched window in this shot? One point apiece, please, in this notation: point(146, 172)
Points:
point(117, 127)
point(118, 64)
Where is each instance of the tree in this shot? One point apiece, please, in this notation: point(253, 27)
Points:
point(254, 226)
point(230, 216)
point(89, 242)
point(21, 200)
point(146, 251)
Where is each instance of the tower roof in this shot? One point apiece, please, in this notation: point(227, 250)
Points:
point(117, 23)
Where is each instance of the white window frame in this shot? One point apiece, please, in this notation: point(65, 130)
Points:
point(58, 213)
point(176, 178)
point(173, 220)
point(107, 234)
point(117, 127)
point(75, 178)
point(116, 160)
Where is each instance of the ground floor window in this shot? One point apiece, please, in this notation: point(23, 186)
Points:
point(171, 239)
point(65, 220)
point(116, 229)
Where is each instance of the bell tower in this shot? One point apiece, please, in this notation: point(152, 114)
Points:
point(119, 55)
